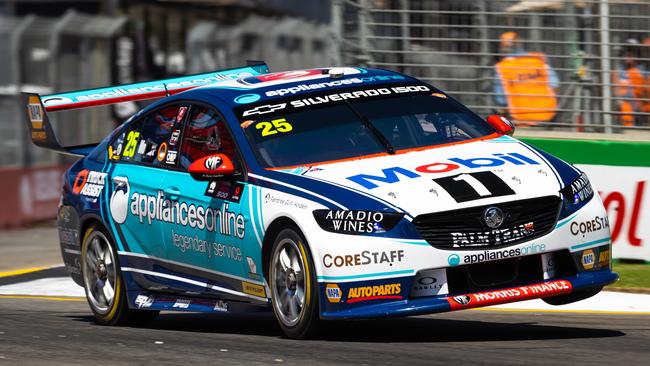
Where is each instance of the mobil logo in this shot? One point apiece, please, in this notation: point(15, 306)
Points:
point(395, 174)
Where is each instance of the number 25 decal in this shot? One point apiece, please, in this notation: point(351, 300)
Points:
point(131, 142)
point(273, 127)
point(473, 186)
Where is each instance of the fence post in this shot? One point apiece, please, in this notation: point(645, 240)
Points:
point(336, 27)
point(606, 65)
point(364, 56)
point(16, 70)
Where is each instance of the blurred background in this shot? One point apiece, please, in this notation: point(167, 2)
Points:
point(581, 69)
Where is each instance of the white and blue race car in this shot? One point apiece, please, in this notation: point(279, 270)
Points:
point(323, 194)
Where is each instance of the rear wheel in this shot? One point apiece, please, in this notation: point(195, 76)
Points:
point(105, 290)
point(293, 286)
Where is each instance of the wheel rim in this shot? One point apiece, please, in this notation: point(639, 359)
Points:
point(99, 271)
point(288, 283)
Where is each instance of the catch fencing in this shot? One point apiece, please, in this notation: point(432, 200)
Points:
point(45, 55)
point(599, 50)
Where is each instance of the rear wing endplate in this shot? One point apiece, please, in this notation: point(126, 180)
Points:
point(38, 106)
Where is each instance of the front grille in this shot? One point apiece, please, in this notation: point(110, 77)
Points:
point(510, 272)
point(466, 229)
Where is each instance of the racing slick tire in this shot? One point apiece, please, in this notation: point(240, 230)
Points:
point(293, 285)
point(103, 284)
point(572, 297)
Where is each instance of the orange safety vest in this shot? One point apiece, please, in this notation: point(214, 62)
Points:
point(527, 87)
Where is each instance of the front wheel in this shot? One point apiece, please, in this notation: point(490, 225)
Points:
point(105, 290)
point(293, 285)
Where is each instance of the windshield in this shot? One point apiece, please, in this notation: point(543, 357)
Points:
point(321, 127)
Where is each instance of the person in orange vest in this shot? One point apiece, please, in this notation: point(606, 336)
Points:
point(525, 84)
point(629, 82)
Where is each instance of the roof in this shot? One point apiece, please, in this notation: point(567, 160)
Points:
point(287, 83)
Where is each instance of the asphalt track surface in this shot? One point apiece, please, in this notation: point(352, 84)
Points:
point(40, 332)
point(61, 331)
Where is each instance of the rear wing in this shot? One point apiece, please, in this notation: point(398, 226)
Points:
point(38, 106)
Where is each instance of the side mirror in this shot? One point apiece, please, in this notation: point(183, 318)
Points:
point(503, 125)
point(212, 167)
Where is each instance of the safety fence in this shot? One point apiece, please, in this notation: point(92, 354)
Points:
point(620, 172)
point(575, 65)
point(47, 54)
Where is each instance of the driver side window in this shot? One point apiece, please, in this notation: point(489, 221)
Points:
point(206, 134)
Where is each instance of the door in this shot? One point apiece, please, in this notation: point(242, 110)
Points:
point(205, 241)
point(137, 203)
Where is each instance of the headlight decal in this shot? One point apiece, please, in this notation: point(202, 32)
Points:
point(576, 195)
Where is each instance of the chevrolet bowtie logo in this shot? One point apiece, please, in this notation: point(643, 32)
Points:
point(263, 109)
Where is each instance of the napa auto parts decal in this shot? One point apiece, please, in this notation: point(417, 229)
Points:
point(626, 194)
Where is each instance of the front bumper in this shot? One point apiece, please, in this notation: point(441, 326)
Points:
point(583, 281)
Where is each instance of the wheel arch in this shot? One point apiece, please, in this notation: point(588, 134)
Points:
point(274, 228)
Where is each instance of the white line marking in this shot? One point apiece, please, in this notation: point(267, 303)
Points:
point(189, 266)
point(193, 282)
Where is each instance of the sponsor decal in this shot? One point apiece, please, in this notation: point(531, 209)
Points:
point(253, 289)
point(394, 174)
point(144, 301)
point(604, 258)
point(377, 292)
point(157, 208)
point(157, 88)
point(220, 306)
point(212, 163)
point(336, 97)
point(362, 259)
point(588, 259)
point(142, 147)
point(289, 75)
point(119, 203)
point(52, 101)
point(171, 157)
point(520, 293)
point(333, 293)
point(315, 86)
point(89, 183)
point(211, 249)
point(355, 221)
point(264, 109)
point(580, 190)
point(162, 152)
point(453, 259)
point(430, 282)
point(179, 118)
point(35, 112)
point(491, 255)
point(224, 190)
point(583, 228)
point(252, 269)
point(494, 237)
point(624, 206)
point(182, 304)
point(247, 98)
point(173, 140)
point(270, 199)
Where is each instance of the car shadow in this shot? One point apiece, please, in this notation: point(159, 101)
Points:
point(408, 330)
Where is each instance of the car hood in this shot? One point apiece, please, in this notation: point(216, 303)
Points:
point(443, 178)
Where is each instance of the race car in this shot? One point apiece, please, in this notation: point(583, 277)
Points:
point(322, 194)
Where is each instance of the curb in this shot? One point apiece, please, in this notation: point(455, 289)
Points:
point(630, 290)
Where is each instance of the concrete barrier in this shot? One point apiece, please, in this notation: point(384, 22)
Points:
point(29, 195)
